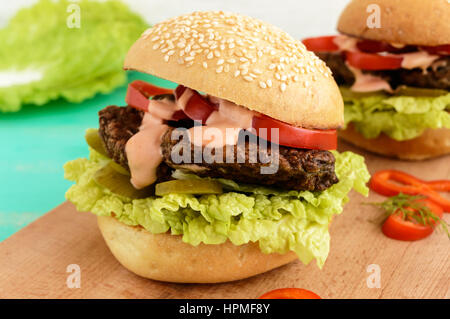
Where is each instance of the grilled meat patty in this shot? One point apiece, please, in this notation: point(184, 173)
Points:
point(299, 169)
point(434, 78)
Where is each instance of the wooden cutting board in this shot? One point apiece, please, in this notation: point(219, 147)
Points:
point(33, 262)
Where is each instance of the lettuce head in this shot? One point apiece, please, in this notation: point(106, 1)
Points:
point(45, 56)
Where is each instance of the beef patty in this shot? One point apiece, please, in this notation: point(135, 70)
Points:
point(434, 78)
point(298, 169)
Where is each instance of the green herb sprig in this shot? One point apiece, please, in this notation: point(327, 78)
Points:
point(411, 208)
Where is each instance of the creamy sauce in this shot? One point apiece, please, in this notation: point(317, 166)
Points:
point(368, 82)
point(144, 148)
point(345, 43)
point(420, 59)
point(222, 126)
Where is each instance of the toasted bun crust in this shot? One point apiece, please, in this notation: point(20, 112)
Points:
point(243, 60)
point(416, 22)
point(432, 143)
point(165, 257)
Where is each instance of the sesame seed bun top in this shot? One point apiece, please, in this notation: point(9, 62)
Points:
point(414, 22)
point(243, 60)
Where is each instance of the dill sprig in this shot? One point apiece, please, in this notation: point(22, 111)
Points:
point(410, 207)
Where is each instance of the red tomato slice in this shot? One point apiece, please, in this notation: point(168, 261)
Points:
point(296, 136)
point(321, 44)
point(372, 46)
point(440, 49)
point(396, 227)
point(197, 108)
point(136, 99)
point(369, 61)
point(148, 89)
point(290, 293)
point(138, 95)
point(139, 92)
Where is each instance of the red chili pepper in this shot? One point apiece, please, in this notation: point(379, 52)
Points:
point(384, 183)
point(290, 293)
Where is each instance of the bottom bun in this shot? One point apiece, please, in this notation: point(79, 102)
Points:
point(166, 257)
point(432, 143)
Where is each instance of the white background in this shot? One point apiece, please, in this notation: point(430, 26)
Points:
point(300, 18)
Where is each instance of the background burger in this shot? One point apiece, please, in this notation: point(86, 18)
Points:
point(395, 79)
point(206, 222)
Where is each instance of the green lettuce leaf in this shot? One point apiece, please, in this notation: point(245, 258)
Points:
point(280, 221)
point(399, 117)
point(69, 63)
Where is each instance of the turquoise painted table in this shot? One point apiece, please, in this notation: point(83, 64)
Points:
point(35, 144)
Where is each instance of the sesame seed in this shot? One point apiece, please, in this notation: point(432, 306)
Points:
point(232, 38)
point(248, 78)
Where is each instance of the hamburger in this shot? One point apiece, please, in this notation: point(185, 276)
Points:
point(165, 209)
point(394, 77)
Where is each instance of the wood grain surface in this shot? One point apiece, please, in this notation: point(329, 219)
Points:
point(33, 262)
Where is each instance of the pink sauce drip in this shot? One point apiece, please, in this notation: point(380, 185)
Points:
point(368, 82)
point(144, 148)
point(420, 59)
point(223, 126)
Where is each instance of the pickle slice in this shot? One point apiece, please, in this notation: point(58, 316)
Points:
point(120, 184)
point(95, 142)
point(119, 168)
point(403, 90)
point(348, 94)
point(417, 92)
point(191, 186)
